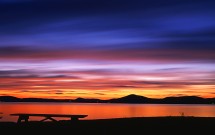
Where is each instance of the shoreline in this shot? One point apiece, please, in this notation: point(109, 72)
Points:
point(140, 125)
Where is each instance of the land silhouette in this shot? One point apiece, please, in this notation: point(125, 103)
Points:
point(137, 99)
point(144, 125)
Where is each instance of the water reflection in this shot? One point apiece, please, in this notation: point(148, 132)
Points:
point(103, 111)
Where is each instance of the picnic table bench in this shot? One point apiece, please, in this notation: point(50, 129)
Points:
point(25, 116)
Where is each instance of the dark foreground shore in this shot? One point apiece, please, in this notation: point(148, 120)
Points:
point(152, 125)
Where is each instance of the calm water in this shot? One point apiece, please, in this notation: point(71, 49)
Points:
point(103, 111)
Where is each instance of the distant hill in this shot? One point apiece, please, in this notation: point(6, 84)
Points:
point(126, 99)
point(84, 100)
point(9, 99)
point(131, 99)
point(185, 99)
point(15, 99)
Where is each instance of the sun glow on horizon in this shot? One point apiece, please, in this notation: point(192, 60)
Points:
point(107, 83)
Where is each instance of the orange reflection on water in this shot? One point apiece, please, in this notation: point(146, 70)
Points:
point(103, 111)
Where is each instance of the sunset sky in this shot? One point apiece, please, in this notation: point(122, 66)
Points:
point(107, 48)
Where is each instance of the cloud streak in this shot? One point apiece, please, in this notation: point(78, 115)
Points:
point(157, 55)
point(74, 48)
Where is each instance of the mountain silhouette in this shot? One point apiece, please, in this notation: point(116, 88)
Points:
point(126, 99)
point(131, 99)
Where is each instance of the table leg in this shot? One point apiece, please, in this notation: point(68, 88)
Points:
point(50, 118)
point(74, 119)
point(21, 117)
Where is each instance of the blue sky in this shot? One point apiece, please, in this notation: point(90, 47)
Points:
point(86, 40)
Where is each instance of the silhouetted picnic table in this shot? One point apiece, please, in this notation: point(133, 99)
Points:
point(25, 116)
